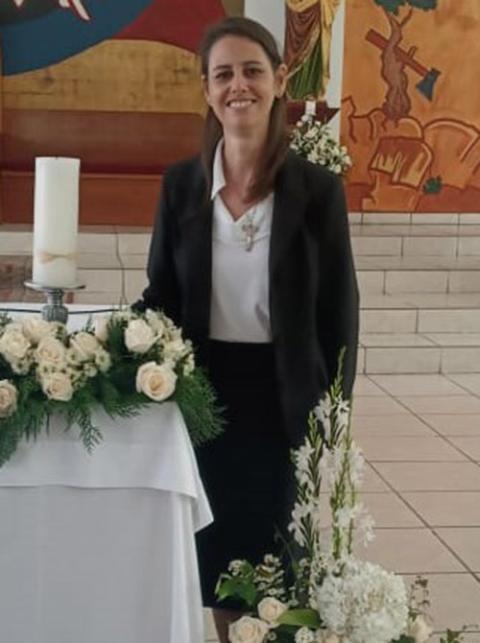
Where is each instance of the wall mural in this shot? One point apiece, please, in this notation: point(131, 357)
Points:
point(413, 135)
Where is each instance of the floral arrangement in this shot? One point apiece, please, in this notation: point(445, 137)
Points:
point(320, 592)
point(313, 140)
point(120, 363)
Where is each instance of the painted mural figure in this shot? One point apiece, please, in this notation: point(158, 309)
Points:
point(75, 5)
point(308, 40)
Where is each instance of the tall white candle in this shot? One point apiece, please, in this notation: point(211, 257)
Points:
point(55, 225)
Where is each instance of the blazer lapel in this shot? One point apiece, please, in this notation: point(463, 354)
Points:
point(288, 208)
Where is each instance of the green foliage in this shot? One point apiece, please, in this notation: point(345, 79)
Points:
point(300, 618)
point(197, 402)
point(433, 185)
point(393, 6)
point(404, 639)
point(452, 636)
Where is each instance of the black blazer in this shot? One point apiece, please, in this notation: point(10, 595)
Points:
point(313, 289)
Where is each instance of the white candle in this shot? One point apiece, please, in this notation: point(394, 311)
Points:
point(55, 221)
point(310, 108)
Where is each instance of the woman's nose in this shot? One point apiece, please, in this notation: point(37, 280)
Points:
point(238, 80)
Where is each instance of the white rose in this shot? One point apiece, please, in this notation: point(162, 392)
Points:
point(13, 344)
point(51, 352)
point(156, 381)
point(57, 386)
point(8, 398)
point(35, 329)
point(269, 609)
point(247, 630)
point(419, 629)
point(84, 344)
point(156, 322)
point(139, 337)
point(100, 327)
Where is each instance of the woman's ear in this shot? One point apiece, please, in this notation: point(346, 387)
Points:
point(281, 74)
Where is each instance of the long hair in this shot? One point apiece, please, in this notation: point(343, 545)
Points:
point(277, 138)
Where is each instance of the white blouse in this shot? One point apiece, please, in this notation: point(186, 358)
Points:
point(239, 308)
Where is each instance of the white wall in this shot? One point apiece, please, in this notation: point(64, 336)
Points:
point(270, 13)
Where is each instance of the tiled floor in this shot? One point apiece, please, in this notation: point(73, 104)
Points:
point(421, 438)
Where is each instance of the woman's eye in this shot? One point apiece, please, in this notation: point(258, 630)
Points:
point(222, 75)
point(253, 71)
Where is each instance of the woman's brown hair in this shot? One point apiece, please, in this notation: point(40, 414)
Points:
point(277, 139)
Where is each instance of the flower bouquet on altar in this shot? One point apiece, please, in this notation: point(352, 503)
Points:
point(120, 363)
point(331, 596)
point(314, 141)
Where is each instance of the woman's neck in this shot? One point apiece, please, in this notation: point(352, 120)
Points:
point(240, 160)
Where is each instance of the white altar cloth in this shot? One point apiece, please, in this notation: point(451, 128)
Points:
point(100, 548)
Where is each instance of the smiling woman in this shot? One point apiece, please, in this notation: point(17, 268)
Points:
point(250, 254)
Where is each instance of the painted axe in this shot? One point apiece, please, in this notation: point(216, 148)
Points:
point(429, 78)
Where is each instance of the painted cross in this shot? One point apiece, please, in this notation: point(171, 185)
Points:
point(75, 5)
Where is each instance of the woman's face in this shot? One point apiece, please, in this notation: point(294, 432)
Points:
point(241, 84)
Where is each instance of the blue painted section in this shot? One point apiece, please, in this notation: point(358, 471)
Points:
point(60, 34)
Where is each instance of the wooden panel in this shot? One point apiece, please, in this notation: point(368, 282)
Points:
point(106, 142)
point(104, 199)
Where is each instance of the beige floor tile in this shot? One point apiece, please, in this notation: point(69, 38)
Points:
point(431, 476)
point(409, 551)
point(469, 445)
point(372, 482)
point(364, 387)
point(448, 321)
point(470, 381)
point(460, 359)
point(465, 541)
point(397, 282)
point(453, 424)
point(454, 339)
point(409, 449)
point(464, 281)
point(133, 243)
point(388, 510)
point(377, 406)
point(438, 404)
point(455, 600)
point(407, 340)
point(389, 425)
point(447, 508)
point(388, 321)
point(425, 359)
point(416, 385)
point(370, 282)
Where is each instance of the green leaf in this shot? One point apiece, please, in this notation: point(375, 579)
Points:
point(404, 639)
point(238, 588)
point(300, 618)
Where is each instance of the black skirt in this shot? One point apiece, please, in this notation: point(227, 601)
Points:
point(246, 471)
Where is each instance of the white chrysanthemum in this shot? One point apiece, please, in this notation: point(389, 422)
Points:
point(304, 635)
point(365, 603)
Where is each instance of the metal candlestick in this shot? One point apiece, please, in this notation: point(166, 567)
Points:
point(54, 310)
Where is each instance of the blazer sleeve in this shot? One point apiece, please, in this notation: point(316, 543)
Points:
point(162, 291)
point(338, 302)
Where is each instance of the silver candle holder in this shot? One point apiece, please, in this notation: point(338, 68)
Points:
point(54, 309)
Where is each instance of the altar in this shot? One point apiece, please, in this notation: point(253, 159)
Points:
point(100, 548)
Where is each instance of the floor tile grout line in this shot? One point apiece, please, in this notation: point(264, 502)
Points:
point(418, 417)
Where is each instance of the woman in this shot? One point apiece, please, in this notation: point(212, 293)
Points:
point(250, 254)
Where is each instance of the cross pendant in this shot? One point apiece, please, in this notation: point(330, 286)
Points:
point(249, 230)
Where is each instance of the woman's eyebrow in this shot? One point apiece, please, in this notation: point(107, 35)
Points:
point(245, 62)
